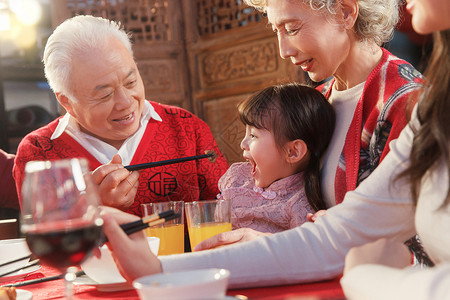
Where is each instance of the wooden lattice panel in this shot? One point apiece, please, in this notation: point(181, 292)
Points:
point(216, 16)
point(222, 117)
point(239, 62)
point(146, 19)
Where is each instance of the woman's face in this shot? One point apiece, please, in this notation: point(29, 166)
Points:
point(313, 40)
point(429, 15)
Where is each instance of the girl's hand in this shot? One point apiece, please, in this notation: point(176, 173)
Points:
point(131, 253)
point(313, 217)
point(383, 252)
point(230, 237)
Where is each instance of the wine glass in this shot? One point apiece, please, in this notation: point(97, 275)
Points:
point(60, 214)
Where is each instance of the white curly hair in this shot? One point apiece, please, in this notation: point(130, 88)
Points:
point(376, 18)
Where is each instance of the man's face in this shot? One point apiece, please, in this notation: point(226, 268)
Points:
point(109, 93)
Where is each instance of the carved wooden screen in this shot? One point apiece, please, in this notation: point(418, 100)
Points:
point(156, 27)
point(232, 53)
point(203, 55)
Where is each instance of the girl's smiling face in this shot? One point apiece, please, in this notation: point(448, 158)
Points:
point(268, 161)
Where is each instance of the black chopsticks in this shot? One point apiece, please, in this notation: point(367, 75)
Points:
point(129, 228)
point(211, 155)
point(39, 280)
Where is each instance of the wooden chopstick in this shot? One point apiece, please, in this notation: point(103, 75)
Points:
point(147, 219)
point(30, 264)
point(152, 220)
point(150, 224)
point(15, 260)
point(168, 162)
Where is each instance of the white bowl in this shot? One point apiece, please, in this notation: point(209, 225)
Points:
point(103, 269)
point(12, 249)
point(194, 284)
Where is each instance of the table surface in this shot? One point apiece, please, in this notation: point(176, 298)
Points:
point(324, 290)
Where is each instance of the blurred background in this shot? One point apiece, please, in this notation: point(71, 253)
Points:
point(26, 100)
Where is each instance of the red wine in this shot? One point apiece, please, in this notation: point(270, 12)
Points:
point(66, 247)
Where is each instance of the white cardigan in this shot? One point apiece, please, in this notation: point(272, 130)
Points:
point(316, 251)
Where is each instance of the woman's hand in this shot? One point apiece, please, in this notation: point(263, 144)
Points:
point(383, 252)
point(117, 185)
point(313, 217)
point(230, 237)
point(131, 253)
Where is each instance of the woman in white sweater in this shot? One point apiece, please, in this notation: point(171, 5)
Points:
point(407, 193)
point(377, 270)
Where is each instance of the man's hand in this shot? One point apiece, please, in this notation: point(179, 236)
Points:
point(230, 237)
point(131, 253)
point(382, 252)
point(117, 185)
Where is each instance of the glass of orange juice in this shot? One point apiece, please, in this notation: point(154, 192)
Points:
point(207, 218)
point(171, 233)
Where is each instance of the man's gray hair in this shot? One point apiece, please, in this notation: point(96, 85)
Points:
point(74, 35)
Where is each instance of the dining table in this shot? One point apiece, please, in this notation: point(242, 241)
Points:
point(52, 290)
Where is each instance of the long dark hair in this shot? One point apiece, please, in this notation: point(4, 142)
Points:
point(291, 112)
point(432, 139)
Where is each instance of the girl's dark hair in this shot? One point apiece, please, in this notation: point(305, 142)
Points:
point(432, 140)
point(290, 112)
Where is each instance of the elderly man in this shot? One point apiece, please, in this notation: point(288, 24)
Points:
point(89, 65)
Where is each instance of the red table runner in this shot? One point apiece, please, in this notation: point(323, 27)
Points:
point(329, 290)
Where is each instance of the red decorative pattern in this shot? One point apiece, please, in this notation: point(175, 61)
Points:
point(180, 134)
point(380, 116)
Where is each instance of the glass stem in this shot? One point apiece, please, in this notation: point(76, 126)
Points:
point(69, 278)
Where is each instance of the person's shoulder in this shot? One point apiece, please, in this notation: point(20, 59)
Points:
point(396, 67)
point(5, 156)
point(45, 131)
point(395, 77)
point(240, 167)
point(236, 175)
point(172, 111)
point(237, 168)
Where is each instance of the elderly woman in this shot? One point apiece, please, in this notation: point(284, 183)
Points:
point(369, 88)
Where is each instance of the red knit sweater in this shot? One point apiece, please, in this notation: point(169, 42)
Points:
point(180, 134)
point(380, 115)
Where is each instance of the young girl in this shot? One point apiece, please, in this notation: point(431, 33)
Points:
point(288, 128)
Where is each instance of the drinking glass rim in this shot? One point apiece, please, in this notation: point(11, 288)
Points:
point(206, 201)
point(157, 203)
point(39, 165)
